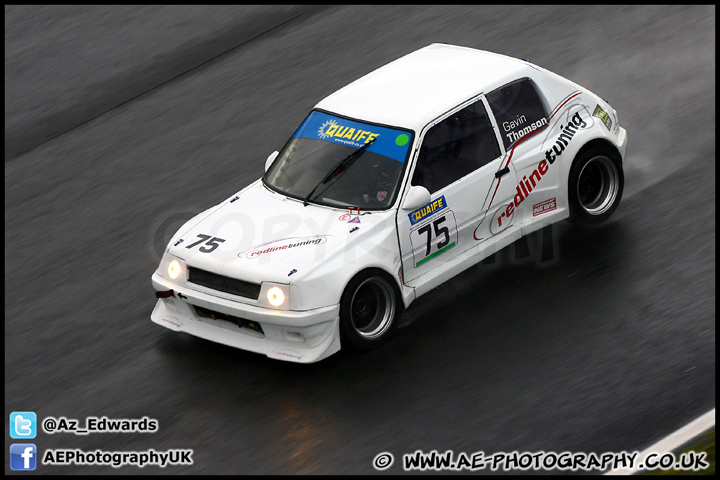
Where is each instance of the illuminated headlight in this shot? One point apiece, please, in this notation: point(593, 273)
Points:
point(174, 269)
point(276, 296)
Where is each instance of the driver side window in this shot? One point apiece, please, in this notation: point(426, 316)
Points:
point(455, 147)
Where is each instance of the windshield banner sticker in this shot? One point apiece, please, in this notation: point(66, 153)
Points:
point(388, 142)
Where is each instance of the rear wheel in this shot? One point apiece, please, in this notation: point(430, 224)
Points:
point(369, 308)
point(595, 187)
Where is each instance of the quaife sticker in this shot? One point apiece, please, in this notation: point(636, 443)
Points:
point(426, 210)
point(389, 142)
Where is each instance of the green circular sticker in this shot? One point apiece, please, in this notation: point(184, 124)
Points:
point(402, 139)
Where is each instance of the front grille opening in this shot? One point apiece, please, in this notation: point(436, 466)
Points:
point(224, 284)
point(240, 322)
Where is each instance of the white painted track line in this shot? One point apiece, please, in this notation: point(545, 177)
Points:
point(672, 441)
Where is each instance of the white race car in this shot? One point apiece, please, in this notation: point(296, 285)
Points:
point(391, 186)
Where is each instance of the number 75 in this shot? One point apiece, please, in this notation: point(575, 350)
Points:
point(212, 243)
point(438, 230)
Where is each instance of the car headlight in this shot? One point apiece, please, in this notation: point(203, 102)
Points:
point(174, 269)
point(276, 296)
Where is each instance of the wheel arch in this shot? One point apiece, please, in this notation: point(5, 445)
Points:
point(356, 337)
point(377, 269)
point(605, 147)
point(602, 144)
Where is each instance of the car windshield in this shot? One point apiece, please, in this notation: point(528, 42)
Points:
point(322, 163)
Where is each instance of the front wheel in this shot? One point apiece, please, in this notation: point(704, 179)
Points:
point(595, 187)
point(369, 307)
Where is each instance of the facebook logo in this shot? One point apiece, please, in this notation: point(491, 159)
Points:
point(23, 425)
point(23, 456)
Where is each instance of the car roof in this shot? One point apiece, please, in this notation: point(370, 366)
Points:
point(415, 89)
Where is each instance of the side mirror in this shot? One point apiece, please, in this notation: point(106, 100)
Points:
point(416, 197)
point(271, 159)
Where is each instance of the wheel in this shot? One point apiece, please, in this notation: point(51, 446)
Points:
point(369, 307)
point(595, 187)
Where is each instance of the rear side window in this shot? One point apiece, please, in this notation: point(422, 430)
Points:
point(518, 110)
point(455, 147)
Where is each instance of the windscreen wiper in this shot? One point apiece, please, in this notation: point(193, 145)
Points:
point(338, 169)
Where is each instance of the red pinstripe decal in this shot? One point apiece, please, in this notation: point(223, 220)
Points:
point(563, 104)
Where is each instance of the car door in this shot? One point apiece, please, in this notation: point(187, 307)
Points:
point(459, 161)
point(522, 119)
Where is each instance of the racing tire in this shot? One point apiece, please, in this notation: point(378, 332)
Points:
point(595, 186)
point(369, 309)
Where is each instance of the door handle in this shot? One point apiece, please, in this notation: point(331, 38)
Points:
point(502, 172)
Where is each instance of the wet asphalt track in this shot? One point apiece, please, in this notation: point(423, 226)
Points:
point(109, 146)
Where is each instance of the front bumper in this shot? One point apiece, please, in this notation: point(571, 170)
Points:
point(296, 336)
